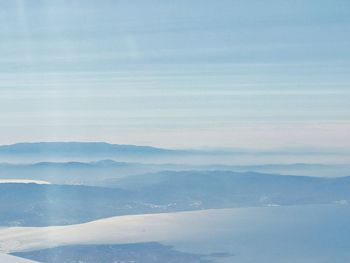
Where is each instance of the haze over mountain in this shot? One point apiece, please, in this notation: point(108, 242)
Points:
point(102, 173)
point(99, 151)
point(78, 149)
point(175, 131)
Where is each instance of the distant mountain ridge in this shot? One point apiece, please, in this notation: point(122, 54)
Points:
point(105, 171)
point(29, 152)
point(78, 148)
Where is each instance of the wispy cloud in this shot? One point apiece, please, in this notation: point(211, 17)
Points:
point(144, 72)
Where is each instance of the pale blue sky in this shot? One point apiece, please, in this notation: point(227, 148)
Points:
point(250, 73)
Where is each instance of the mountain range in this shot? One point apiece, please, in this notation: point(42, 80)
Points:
point(167, 191)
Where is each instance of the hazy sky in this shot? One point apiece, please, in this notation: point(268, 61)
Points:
point(182, 73)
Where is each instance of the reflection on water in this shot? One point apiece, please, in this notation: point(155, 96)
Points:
point(265, 234)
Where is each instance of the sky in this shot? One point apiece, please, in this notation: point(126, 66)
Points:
point(248, 74)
